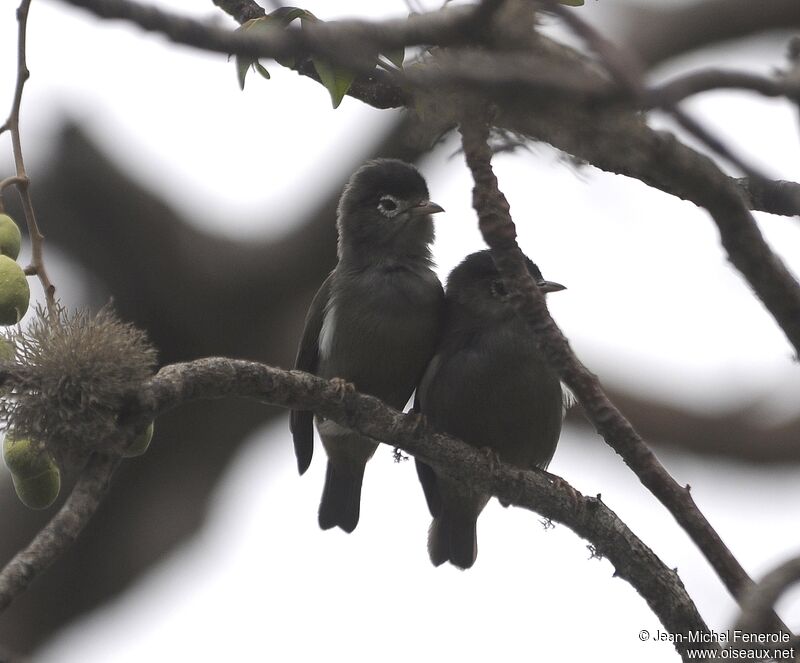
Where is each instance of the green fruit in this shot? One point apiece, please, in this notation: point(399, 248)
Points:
point(14, 292)
point(36, 477)
point(40, 491)
point(24, 457)
point(141, 443)
point(9, 237)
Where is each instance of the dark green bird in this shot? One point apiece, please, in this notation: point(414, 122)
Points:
point(490, 386)
point(374, 322)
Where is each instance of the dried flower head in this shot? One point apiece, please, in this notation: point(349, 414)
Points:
point(70, 375)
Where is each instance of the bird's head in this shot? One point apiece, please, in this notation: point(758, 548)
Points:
point(385, 209)
point(475, 286)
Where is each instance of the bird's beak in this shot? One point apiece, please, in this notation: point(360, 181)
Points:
point(550, 286)
point(426, 207)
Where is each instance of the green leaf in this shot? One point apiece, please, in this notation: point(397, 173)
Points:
point(243, 62)
point(396, 57)
point(335, 79)
point(242, 65)
point(261, 69)
point(572, 3)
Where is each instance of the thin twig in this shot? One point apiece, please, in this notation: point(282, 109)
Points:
point(757, 606)
point(714, 142)
point(21, 180)
point(62, 530)
point(623, 66)
point(499, 233)
point(679, 88)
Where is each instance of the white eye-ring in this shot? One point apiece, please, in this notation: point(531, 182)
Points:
point(388, 205)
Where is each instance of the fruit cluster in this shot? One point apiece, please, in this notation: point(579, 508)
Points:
point(34, 470)
point(36, 477)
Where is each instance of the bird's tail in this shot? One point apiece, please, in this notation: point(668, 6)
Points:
point(452, 538)
point(341, 497)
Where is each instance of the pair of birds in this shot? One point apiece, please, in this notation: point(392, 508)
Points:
point(382, 321)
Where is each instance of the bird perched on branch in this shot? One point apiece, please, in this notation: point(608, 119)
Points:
point(373, 322)
point(488, 385)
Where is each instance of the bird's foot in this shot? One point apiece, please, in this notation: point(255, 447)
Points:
point(342, 387)
point(492, 456)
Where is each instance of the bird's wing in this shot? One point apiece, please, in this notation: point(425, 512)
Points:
point(301, 422)
point(425, 473)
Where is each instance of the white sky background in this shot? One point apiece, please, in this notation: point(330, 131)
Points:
point(651, 301)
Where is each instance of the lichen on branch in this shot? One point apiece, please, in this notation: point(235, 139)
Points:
point(70, 376)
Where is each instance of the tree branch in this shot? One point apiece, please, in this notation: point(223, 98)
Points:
point(506, 74)
point(343, 42)
point(627, 71)
point(241, 10)
point(658, 32)
point(538, 491)
point(623, 144)
point(552, 497)
point(773, 196)
point(499, 233)
point(61, 532)
point(21, 180)
point(680, 87)
point(758, 603)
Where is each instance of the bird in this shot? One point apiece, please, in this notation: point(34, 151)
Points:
point(374, 321)
point(489, 385)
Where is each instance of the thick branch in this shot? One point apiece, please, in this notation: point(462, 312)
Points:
point(537, 491)
point(544, 493)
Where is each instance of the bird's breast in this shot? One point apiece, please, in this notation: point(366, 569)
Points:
point(379, 332)
point(496, 391)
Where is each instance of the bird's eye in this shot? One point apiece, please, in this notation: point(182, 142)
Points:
point(388, 205)
point(499, 289)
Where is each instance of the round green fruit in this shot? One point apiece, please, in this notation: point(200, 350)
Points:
point(40, 491)
point(10, 237)
point(36, 477)
point(23, 457)
point(141, 443)
point(14, 292)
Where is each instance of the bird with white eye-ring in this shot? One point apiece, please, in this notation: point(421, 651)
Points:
point(373, 322)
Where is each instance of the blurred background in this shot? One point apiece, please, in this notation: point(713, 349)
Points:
point(207, 214)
